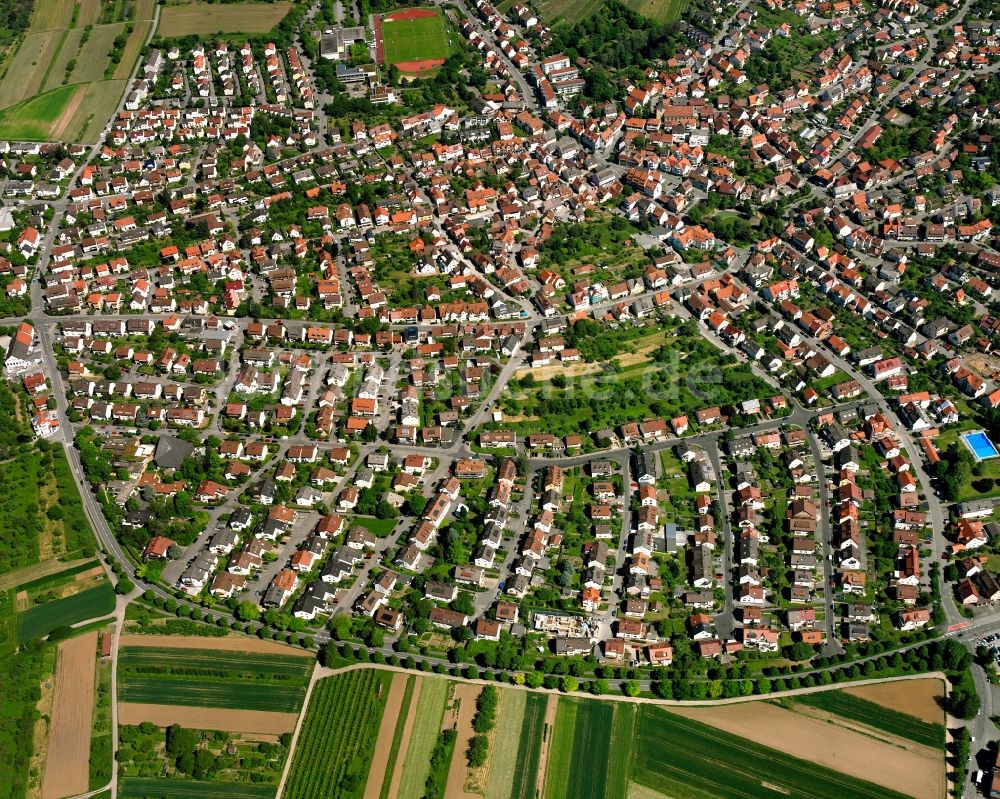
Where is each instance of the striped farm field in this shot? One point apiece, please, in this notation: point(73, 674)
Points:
point(181, 690)
point(208, 663)
point(166, 788)
point(525, 771)
point(582, 765)
point(507, 744)
point(38, 621)
point(426, 732)
point(334, 751)
point(680, 757)
point(860, 710)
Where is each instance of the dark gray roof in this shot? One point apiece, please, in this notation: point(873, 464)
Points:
point(171, 452)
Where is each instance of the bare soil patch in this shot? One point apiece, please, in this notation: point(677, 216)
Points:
point(259, 723)
point(404, 741)
point(571, 369)
point(466, 695)
point(68, 758)
point(917, 774)
point(21, 601)
point(917, 698)
point(386, 732)
point(228, 644)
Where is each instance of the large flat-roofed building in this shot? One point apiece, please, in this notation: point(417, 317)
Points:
point(336, 45)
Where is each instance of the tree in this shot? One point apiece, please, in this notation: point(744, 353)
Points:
point(630, 688)
point(478, 751)
point(124, 586)
point(569, 684)
point(247, 611)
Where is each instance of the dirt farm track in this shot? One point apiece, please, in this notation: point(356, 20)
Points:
point(67, 760)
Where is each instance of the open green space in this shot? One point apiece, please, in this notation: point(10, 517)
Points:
point(40, 620)
point(877, 716)
point(334, 750)
point(416, 39)
point(679, 757)
point(195, 692)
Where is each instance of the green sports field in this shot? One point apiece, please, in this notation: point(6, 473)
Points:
point(416, 39)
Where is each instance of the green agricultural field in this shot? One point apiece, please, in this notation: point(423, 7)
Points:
point(193, 692)
point(334, 750)
point(188, 19)
point(855, 708)
point(397, 736)
point(658, 10)
point(38, 621)
point(580, 765)
point(679, 757)
point(560, 762)
point(207, 663)
point(568, 11)
point(416, 39)
point(34, 118)
point(529, 752)
point(507, 744)
point(146, 787)
point(424, 735)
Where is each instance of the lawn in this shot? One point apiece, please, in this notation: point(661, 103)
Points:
point(377, 527)
point(416, 39)
point(207, 18)
point(877, 716)
point(679, 757)
point(424, 735)
point(165, 788)
point(195, 692)
point(529, 752)
point(39, 620)
point(334, 751)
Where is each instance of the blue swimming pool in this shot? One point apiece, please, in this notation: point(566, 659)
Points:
point(981, 446)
